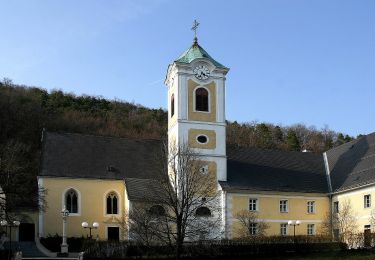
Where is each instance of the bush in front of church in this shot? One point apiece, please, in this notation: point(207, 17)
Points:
point(53, 243)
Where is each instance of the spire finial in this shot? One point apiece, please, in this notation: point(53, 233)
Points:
point(194, 28)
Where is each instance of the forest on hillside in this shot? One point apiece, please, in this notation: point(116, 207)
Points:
point(25, 111)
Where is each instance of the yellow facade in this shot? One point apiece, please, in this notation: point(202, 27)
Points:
point(91, 206)
point(211, 175)
point(268, 210)
point(193, 115)
point(356, 198)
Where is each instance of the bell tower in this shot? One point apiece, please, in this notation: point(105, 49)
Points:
point(196, 106)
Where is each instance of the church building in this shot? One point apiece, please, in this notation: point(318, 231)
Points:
point(98, 178)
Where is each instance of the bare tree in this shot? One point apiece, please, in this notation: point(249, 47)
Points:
point(148, 226)
point(124, 225)
point(187, 190)
point(345, 222)
point(250, 224)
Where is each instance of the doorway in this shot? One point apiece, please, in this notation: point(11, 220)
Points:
point(113, 233)
point(26, 232)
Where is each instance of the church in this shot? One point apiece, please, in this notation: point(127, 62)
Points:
point(98, 178)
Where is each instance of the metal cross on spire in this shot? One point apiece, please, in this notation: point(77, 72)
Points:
point(194, 28)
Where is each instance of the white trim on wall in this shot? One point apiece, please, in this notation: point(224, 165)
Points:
point(41, 213)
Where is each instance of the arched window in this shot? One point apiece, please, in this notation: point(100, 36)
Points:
point(157, 211)
point(203, 212)
point(71, 201)
point(112, 207)
point(172, 105)
point(201, 99)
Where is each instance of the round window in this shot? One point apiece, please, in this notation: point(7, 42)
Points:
point(202, 139)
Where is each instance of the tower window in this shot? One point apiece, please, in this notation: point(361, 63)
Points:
point(203, 212)
point(202, 139)
point(112, 207)
point(172, 105)
point(71, 201)
point(157, 211)
point(201, 99)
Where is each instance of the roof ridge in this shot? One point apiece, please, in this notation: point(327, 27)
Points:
point(272, 150)
point(103, 136)
point(352, 142)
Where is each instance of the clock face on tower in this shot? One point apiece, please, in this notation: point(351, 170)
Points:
point(201, 72)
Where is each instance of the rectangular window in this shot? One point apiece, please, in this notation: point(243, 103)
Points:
point(367, 201)
point(311, 207)
point(253, 204)
point(253, 228)
point(284, 229)
point(283, 206)
point(336, 207)
point(310, 229)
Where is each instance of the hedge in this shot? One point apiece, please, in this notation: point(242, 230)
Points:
point(53, 243)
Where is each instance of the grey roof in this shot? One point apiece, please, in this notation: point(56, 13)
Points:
point(143, 189)
point(256, 169)
point(352, 164)
point(136, 161)
point(88, 156)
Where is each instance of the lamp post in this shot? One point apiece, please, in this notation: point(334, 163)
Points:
point(95, 225)
point(5, 224)
point(294, 223)
point(64, 245)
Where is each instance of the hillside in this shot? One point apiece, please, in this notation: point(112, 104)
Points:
point(25, 111)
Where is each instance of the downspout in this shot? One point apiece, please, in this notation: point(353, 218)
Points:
point(224, 213)
point(328, 176)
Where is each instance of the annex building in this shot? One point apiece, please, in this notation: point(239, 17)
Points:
point(98, 178)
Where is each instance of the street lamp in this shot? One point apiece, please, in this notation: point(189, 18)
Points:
point(95, 225)
point(294, 223)
point(64, 245)
point(5, 224)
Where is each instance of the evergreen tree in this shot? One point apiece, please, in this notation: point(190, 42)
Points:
point(278, 134)
point(292, 141)
point(264, 136)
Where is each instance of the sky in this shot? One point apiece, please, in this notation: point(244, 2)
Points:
point(310, 62)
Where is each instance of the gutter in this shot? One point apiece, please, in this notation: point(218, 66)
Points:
point(328, 173)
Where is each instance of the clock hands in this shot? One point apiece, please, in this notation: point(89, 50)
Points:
point(201, 72)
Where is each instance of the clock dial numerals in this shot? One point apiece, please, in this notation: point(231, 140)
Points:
point(201, 72)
